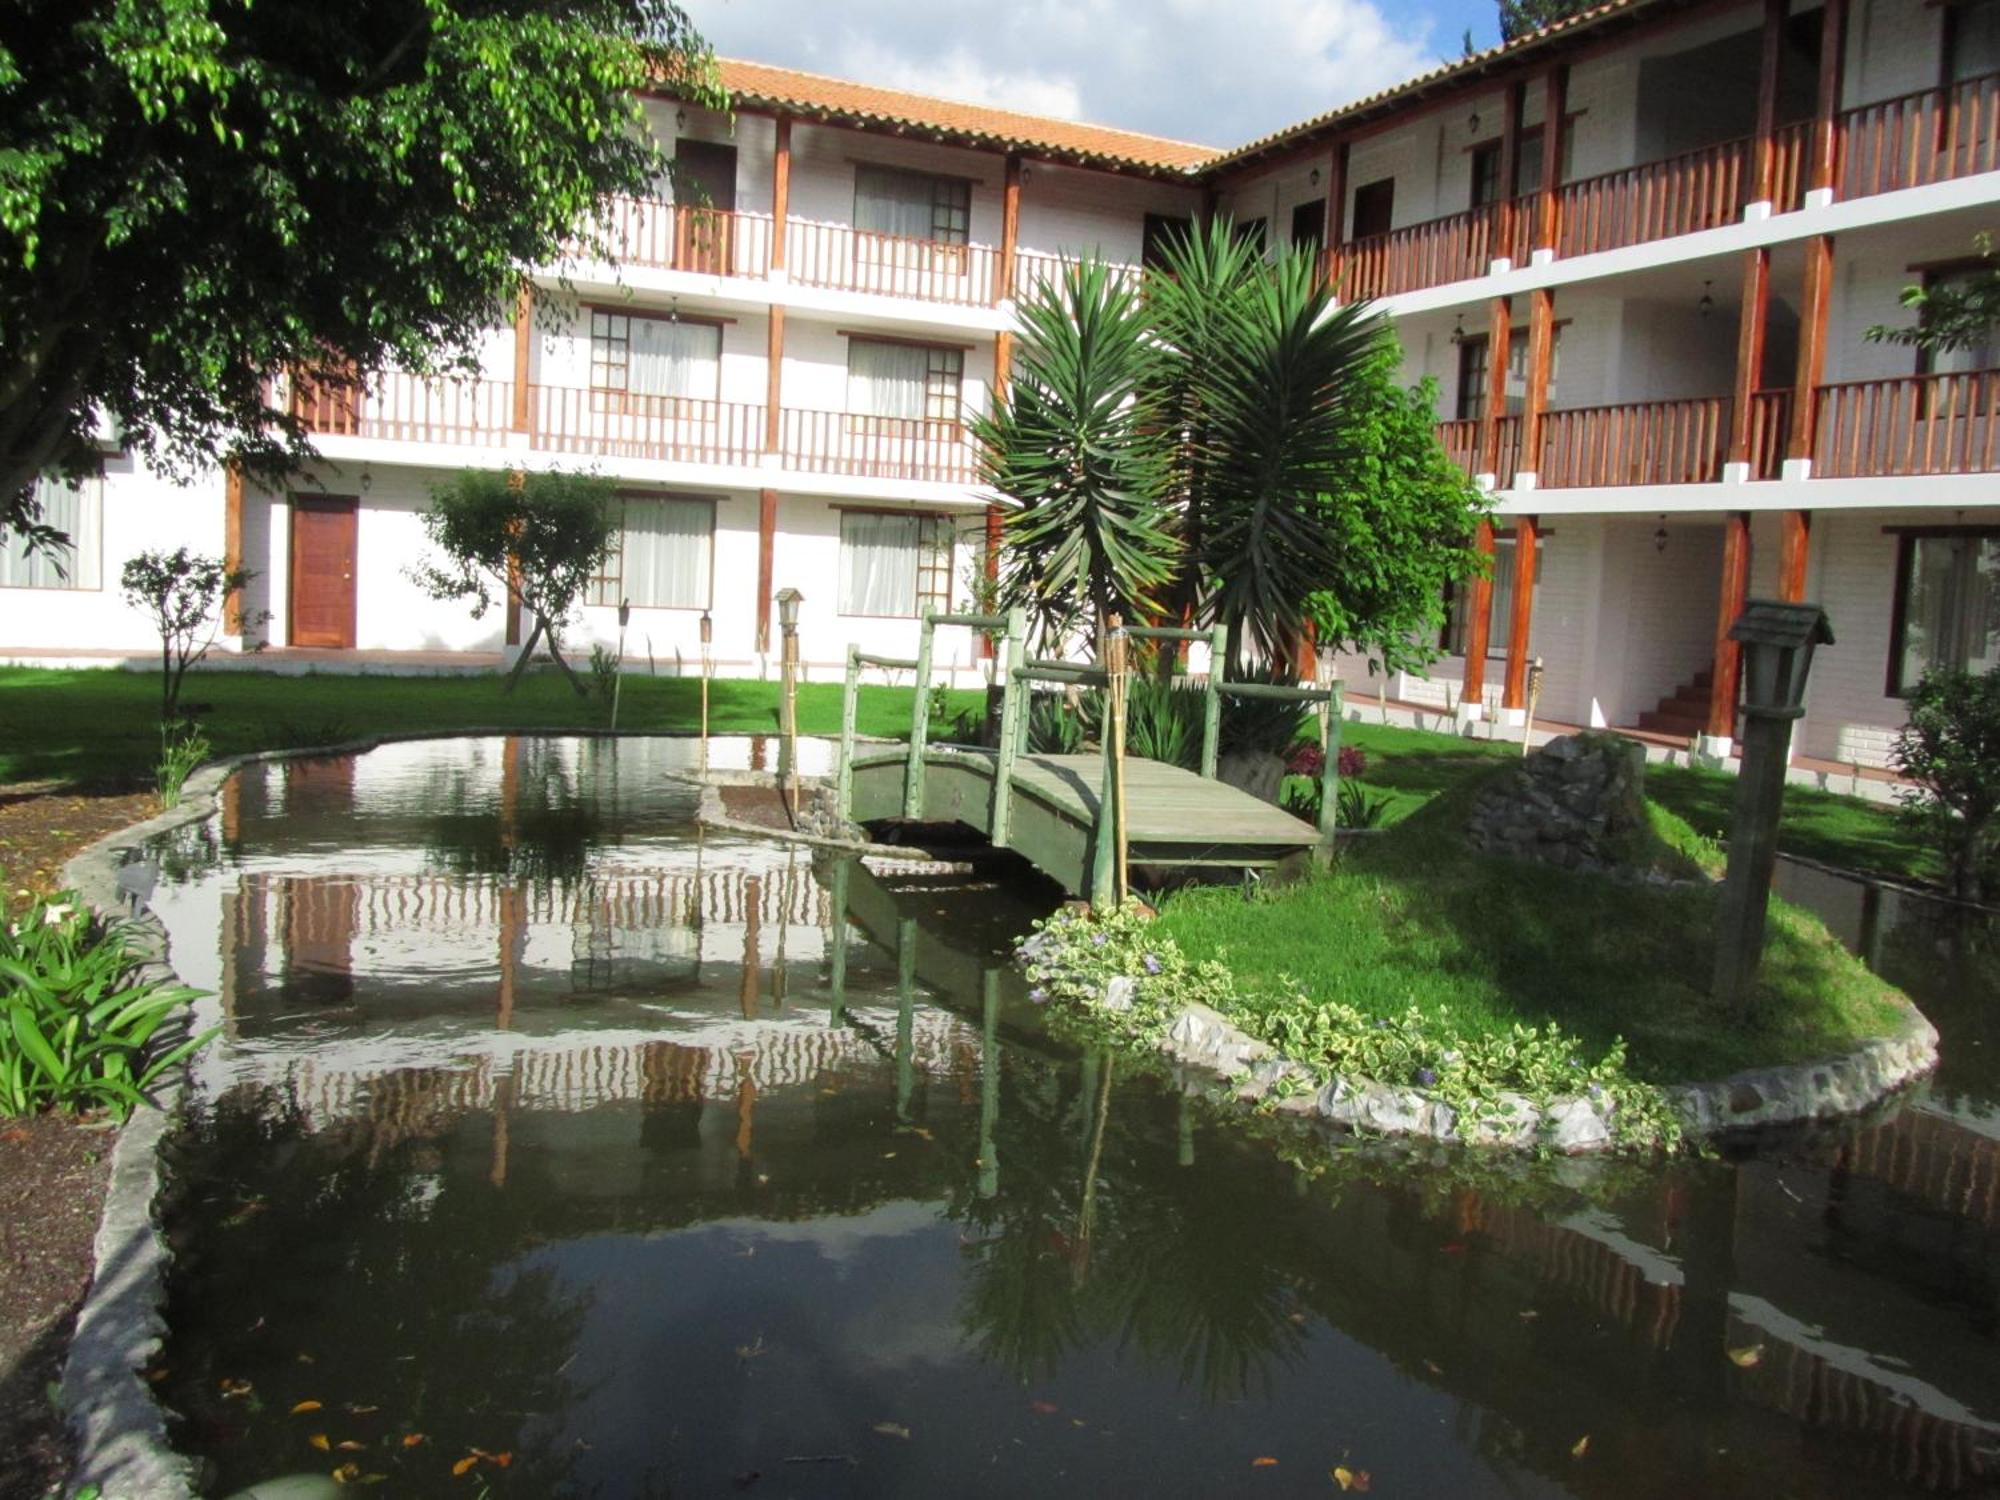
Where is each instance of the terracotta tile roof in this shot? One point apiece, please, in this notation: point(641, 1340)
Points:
point(811, 95)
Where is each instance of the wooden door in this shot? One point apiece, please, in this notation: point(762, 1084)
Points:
point(323, 537)
point(1374, 208)
point(707, 188)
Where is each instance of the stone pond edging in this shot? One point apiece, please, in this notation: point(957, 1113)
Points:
point(1206, 1043)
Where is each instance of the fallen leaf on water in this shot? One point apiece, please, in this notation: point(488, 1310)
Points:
point(154, 1377)
point(1580, 1447)
point(347, 1473)
point(1043, 1408)
point(465, 1466)
point(1343, 1476)
point(1529, 1314)
point(887, 1155)
point(1434, 1367)
point(1748, 1357)
point(320, 1441)
point(362, 1411)
point(306, 1406)
point(412, 1439)
point(1263, 1463)
point(348, 1445)
point(501, 1460)
point(235, 1388)
point(893, 1429)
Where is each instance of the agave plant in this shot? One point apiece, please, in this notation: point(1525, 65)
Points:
point(77, 1031)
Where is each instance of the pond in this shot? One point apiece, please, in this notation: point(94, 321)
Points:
point(556, 1146)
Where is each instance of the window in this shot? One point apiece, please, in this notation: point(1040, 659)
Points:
point(1982, 355)
point(894, 563)
point(1947, 606)
point(1255, 233)
point(911, 382)
point(1500, 622)
point(1528, 157)
point(660, 554)
point(912, 205)
point(76, 510)
point(1160, 233)
point(1472, 373)
point(1971, 40)
point(1485, 174)
point(632, 355)
point(1374, 209)
point(1472, 378)
point(1309, 225)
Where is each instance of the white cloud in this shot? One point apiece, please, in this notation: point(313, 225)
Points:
point(1216, 71)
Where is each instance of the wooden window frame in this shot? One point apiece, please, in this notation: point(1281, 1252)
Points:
point(603, 396)
point(1907, 537)
point(938, 351)
point(1496, 650)
point(616, 556)
point(947, 524)
point(96, 481)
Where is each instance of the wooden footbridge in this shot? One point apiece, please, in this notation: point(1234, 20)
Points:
point(1083, 820)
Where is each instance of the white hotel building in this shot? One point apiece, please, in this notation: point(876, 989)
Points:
point(1655, 353)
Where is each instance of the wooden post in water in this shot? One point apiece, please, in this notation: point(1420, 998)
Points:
point(1211, 708)
point(836, 979)
point(989, 1082)
point(920, 725)
point(850, 700)
point(1009, 660)
point(906, 1015)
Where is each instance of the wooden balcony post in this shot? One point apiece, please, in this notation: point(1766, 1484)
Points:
point(1336, 214)
point(1814, 305)
point(774, 379)
point(1526, 543)
point(1541, 357)
point(1728, 654)
point(781, 192)
point(524, 345)
point(1751, 320)
point(1825, 149)
point(1498, 338)
point(1010, 227)
point(1555, 104)
point(767, 537)
point(1510, 156)
point(1759, 184)
point(232, 549)
point(1794, 546)
point(1479, 608)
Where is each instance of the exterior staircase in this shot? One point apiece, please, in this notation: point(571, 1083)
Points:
point(1683, 713)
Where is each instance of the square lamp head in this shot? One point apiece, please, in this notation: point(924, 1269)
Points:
point(1778, 641)
point(788, 609)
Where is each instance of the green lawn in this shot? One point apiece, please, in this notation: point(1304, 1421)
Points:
point(101, 728)
point(1416, 918)
point(1414, 765)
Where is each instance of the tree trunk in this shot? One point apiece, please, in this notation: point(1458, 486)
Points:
point(527, 652)
point(555, 654)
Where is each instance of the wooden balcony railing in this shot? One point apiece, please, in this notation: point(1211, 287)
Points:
point(1914, 424)
point(1642, 442)
point(396, 408)
point(1033, 268)
point(859, 260)
point(676, 237)
point(1456, 247)
point(1460, 440)
point(836, 442)
point(1676, 195)
point(1929, 136)
point(616, 424)
point(1770, 422)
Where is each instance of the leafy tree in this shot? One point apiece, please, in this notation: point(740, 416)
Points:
point(182, 593)
point(195, 194)
point(1074, 442)
point(1951, 749)
point(1953, 314)
point(1519, 17)
point(541, 535)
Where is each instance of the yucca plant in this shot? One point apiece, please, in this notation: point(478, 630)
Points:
point(77, 1032)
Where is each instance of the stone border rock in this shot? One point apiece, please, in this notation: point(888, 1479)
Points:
point(1207, 1044)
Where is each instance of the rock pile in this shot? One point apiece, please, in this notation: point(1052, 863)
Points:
point(1578, 802)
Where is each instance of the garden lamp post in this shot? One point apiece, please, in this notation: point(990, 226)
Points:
point(788, 699)
point(1777, 641)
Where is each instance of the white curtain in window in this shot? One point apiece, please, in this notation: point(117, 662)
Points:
point(886, 380)
point(878, 565)
point(78, 512)
point(666, 552)
point(1950, 616)
point(1500, 628)
point(889, 202)
point(670, 358)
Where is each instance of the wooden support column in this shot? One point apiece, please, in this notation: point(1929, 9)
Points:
point(1728, 654)
point(1548, 205)
point(774, 381)
point(1541, 359)
point(1794, 547)
point(767, 536)
point(1499, 336)
point(1759, 188)
point(1010, 226)
point(1510, 157)
point(1824, 156)
point(524, 348)
point(232, 550)
point(1514, 694)
point(1752, 319)
point(1336, 215)
point(1479, 609)
point(1814, 304)
point(781, 192)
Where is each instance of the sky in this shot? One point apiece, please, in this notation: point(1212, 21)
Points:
point(1217, 72)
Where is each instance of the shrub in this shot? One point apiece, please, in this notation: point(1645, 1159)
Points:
point(182, 593)
point(182, 748)
point(1951, 749)
point(77, 1031)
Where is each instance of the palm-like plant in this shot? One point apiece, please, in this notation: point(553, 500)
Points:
point(1074, 444)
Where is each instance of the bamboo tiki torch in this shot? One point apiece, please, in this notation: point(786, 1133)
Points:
point(707, 666)
point(1534, 697)
point(1117, 648)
